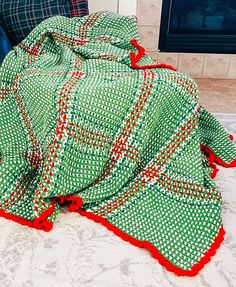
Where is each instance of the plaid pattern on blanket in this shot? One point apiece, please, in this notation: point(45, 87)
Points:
point(89, 119)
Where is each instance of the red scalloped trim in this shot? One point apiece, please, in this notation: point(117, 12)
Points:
point(231, 137)
point(40, 223)
point(141, 52)
point(211, 157)
point(75, 201)
point(43, 224)
point(154, 252)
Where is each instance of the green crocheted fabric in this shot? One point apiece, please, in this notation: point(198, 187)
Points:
point(87, 118)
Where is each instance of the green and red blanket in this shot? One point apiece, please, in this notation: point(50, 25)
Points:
point(87, 118)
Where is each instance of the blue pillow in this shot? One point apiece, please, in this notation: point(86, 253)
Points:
point(19, 17)
point(79, 8)
point(5, 45)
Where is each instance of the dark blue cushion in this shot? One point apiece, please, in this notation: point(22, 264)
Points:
point(5, 45)
point(19, 17)
point(79, 8)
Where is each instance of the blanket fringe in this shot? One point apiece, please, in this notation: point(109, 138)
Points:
point(141, 52)
point(154, 252)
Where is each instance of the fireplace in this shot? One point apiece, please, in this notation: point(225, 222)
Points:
point(198, 26)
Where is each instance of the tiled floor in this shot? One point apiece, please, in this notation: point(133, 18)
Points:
point(218, 95)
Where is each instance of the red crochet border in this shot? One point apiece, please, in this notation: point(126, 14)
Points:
point(76, 202)
point(141, 52)
point(211, 157)
point(41, 222)
point(154, 252)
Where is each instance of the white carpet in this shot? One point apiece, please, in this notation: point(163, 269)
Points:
point(81, 253)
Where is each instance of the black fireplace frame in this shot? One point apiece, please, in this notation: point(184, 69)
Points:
point(192, 43)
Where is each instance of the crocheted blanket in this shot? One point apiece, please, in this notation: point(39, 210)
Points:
point(88, 119)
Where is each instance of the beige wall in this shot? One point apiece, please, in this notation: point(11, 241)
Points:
point(127, 7)
point(124, 7)
point(98, 5)
point(221, 66)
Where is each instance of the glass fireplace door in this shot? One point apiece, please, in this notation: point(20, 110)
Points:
point(198, 26)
